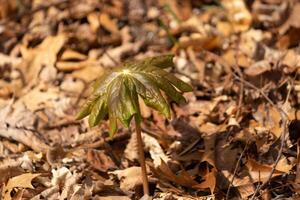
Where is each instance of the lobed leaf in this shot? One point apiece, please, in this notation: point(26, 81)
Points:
point(116, 92)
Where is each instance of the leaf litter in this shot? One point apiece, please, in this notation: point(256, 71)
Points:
point(236, 138)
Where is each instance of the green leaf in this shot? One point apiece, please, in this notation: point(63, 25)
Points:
point(99, 110)
point(182, 86)
point(120, 100)
point(87, 107)
point(116, 92)
point(150, 93)
point(164, 61)
point(170, 90)
point(112, 125)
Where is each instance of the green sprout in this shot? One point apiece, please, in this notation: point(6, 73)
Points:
point(117, 91)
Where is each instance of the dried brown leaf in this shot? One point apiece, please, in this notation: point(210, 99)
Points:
point(21, 181)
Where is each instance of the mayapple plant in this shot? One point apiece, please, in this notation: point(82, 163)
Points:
point(117, 91)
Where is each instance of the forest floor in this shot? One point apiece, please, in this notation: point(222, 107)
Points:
point(236, 138)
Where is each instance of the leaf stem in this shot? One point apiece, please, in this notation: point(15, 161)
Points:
point(141, 156)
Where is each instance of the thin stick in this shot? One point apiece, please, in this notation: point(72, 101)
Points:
point(141, 156)
point(235, 170)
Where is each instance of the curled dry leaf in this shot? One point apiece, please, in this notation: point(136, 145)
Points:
point(67, 181)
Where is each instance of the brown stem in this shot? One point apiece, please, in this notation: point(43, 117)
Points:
point(141, 157)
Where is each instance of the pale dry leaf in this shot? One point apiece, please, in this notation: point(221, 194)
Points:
point(70, 54)
point(129, 178)
point(111, 198)
point(283, 165)
point(74, 65)
point(156, 152)
point(51, 193)
point(43, 56)
point(67, 181)
point(197, 40)
point(13, 117)
point(6, 59)
point(117, 53)
point(108, 23)
point(22, 162)
point(21, 181)
point(291, 59)
point(88, 74)
point(169, 195)
point(258, 68)
point(269, 118)
point(11, 81)
point(45, 97)
point(151, 145)
point(238, 14)
point(72, 85)
point(93, 19)
point(145, 110)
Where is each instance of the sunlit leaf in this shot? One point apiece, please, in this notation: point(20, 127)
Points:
point(116, 92)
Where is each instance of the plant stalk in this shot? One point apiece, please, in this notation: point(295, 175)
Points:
point(142, 157)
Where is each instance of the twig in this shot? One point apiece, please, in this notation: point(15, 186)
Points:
point(262, 93)
point(277, 159)
point(283, 114)
point(284, 118)
point(235, 170)
point(240, 102)
point(272, 189)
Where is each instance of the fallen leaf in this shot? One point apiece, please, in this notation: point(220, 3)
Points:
point(292, 21)
point(111, 198)
point(182, 177)
point(260, 172)
point(258, 68)
point(238, 14)
point(209, 181)
point(72, 65)
point(21, 181)
point(70, 54)
point(100, 160)
point(43, 56)
point(108, 23)
point(151, 145)
point(129, 178)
